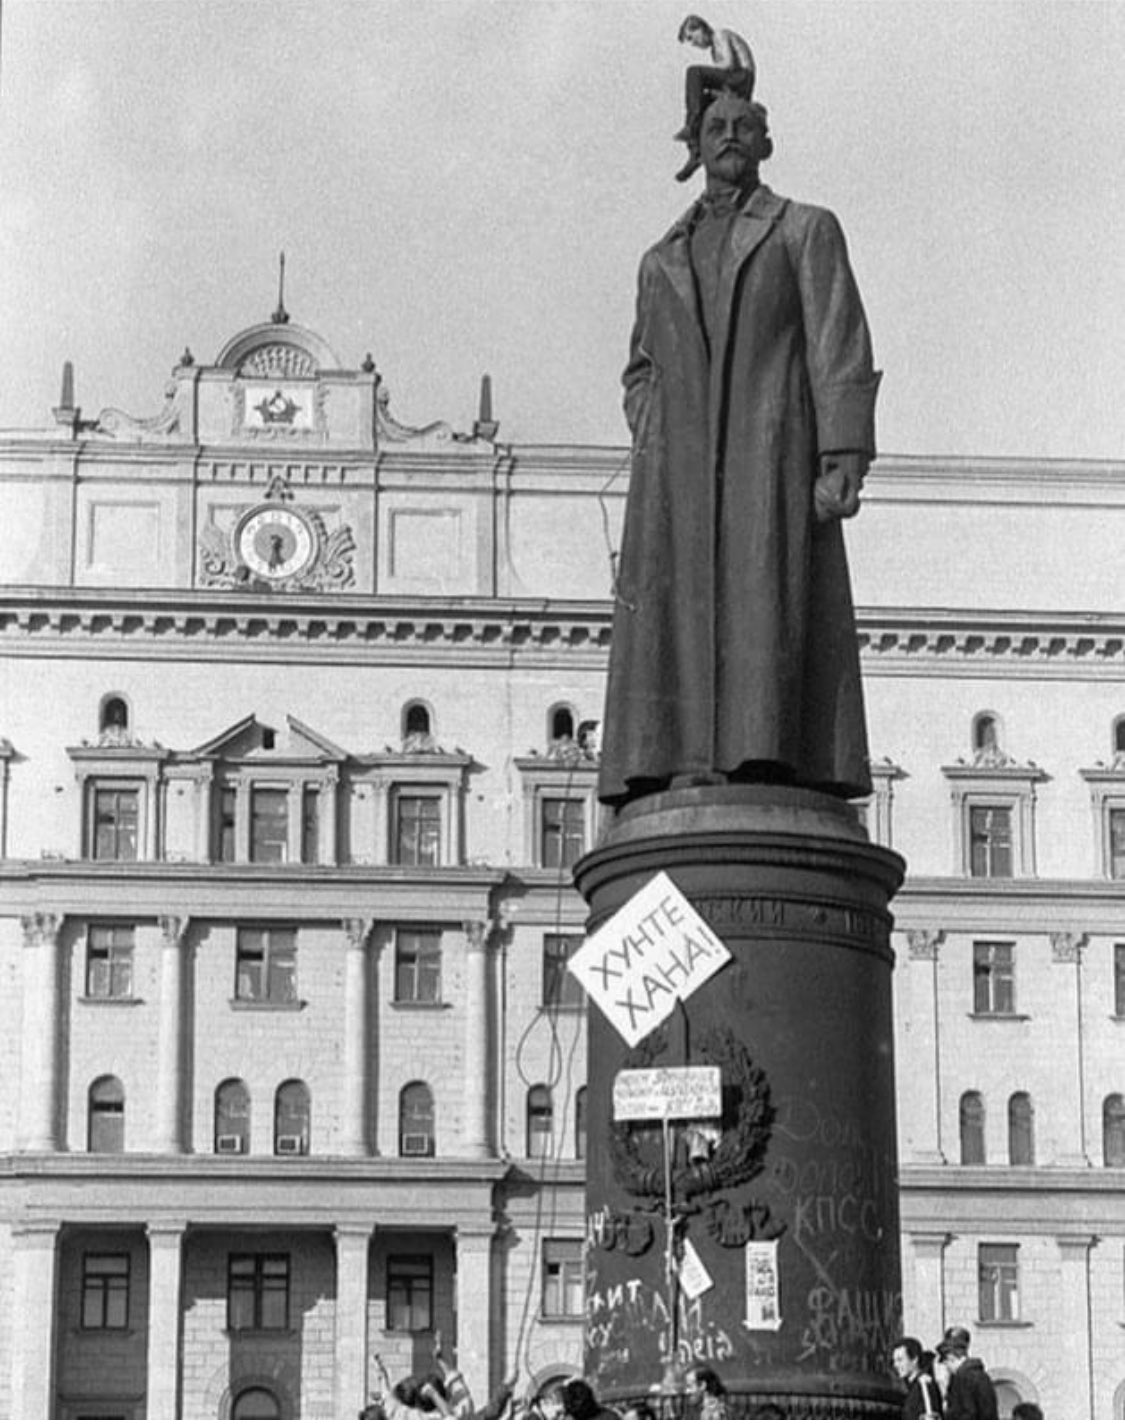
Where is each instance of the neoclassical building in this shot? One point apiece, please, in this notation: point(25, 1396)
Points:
point(298, 739)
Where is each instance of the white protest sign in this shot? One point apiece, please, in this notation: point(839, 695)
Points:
point(654, 951)
point(668, 1093)
point(695, 1279)
point(763, 1290)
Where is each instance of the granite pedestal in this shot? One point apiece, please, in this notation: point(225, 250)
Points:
point(790, 1202)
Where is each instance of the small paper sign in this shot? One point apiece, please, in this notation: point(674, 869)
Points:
point(695, 1279)
point(656, 950)
point(668, 1093)
point(763, 1290)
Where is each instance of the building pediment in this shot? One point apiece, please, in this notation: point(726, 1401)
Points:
point(249, 739)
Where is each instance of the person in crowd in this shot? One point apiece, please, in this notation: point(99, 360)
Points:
point(1026, 1410)
point(914, 1367)
point(969, 1394)
point(706, 1393)
point(580, 1403)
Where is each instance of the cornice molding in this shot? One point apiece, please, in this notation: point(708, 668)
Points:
point(223, 626)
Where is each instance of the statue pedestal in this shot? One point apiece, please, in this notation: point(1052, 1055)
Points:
point(793, 1211)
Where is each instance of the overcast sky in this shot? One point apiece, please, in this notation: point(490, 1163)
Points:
point(467, 185)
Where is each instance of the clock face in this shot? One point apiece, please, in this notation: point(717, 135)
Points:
point(275, 543)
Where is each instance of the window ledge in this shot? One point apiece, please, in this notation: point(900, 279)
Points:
point(560, 1320)
point(115, 1331)
point(110, 999)
point(278, 1006)
point(410, 1005)
point(1003, 1325)
point(263, 1333)
point(988, 1014)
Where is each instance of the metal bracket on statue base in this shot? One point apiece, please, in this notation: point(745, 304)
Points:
point(789, 1201)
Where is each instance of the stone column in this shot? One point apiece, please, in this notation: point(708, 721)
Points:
point(1066, 953)
point(474, 1310)
point(355, 1136)
point(791, 1205)
point(1073, 1394)
point(381, 818)
point(165, 1268)
point(34, 1290)
point(927, 1320)
point(42, 1032)
point(328, 816)
point(353, 1245)
point(926, 1122)
point(477, 1139)
point(171, 1038)
point(241, 785)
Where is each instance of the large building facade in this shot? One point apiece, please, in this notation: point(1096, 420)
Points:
point(298, 741)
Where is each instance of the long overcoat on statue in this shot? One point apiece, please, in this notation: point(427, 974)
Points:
point(734, 635)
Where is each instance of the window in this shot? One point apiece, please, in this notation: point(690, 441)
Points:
point(986, 733)
point(563, 835)
point(540, 1121)
point(416, 839)
point(256, 1403)
point(1119, 736)
point(416, 1121)
point(1113, 1131)
point(562, 1277)
point(232, 1117)
point(994, 986)
point(224, 831)
point(291, 1119)
point(972, 1129)
point(310, 826)
point(418, 967)
point(1116, 848)
point(106, 1132)
point(115, 816)
point(105, 1291)
point(1021, 1131)
point(109, 962)
point(580, 1125)
point(266, 968)
point(560, 989)
point(416, 721)
point(258, 1292)
point(113, 716)
point(998, 1277)
point(269, 824)
point(1119, 981)
point(560, 723)
point(990, 841)
point(410, 1293)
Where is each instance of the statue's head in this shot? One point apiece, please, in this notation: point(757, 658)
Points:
point(734, 138)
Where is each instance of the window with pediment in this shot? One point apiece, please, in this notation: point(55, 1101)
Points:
point(560, 792)
point(993, 806)
point(1106, 781)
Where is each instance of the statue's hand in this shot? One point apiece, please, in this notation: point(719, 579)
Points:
point(836, 494)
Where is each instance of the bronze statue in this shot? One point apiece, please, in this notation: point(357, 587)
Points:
point(750, 394)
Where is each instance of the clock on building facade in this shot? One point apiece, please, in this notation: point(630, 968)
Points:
point(275, 543)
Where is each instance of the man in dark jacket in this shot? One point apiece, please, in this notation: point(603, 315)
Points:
point(923, 1399)
point(970, 1394)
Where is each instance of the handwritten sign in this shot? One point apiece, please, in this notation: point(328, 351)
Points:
point(656, 950)
point(695, 1279)
point(763, 1290)
point(668, 1093)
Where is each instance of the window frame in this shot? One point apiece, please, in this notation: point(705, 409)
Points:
point(108, 1285)
point(994, 979)
point(117, 960)
point(568, 995)
point(540, 1121)
point(278, 962)
point(292, 1124)
point(546, 779)
point(404, 954)
point(225, 1119)
point(562, 1272)
point(998, 1284)
point(404, 1272)
point(429, 830)
point(98, 787)
point(1021, 1130)
point(408, 1127)
point(1119, 980)
point(259, 822)
point(982, 786)
point(562, 831)
point(1113, 1130)
point(261, 1292)
point(972, 1120)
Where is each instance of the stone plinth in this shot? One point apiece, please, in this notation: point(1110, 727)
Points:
point(800, 1024)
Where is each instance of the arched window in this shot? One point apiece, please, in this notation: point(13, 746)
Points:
point(232, 1117)
point(1113, 1131)
point(255, 1403)
point(986, 732)
point(972, 1128)
point(416, 1121)
point(291, 1119)
point(106, 1117)
point(417, 720)
point(1118, 735)
point(1021, 1131)
point(540, 1121)
point(561, 722)
point(580, 1125)
point(113, 714)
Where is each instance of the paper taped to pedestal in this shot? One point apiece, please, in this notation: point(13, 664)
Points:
point(657, 949)
point(763, 1288)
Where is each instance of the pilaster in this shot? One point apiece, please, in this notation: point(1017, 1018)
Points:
point(171, 1038)
point(34, 1289)
point(1072, 1328)
point(355, 1137)
point(165, 1267)
point(923, 949)
point(353, 1245)
point(927, 1320)
point(1066, 961)
point(474, 1309)
point(39, 1076)
point(477, 1134)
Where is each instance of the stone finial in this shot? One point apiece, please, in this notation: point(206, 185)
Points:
point(484, 426)
point(279, 315)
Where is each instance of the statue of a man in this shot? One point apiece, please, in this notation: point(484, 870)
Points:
point(750, 394)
